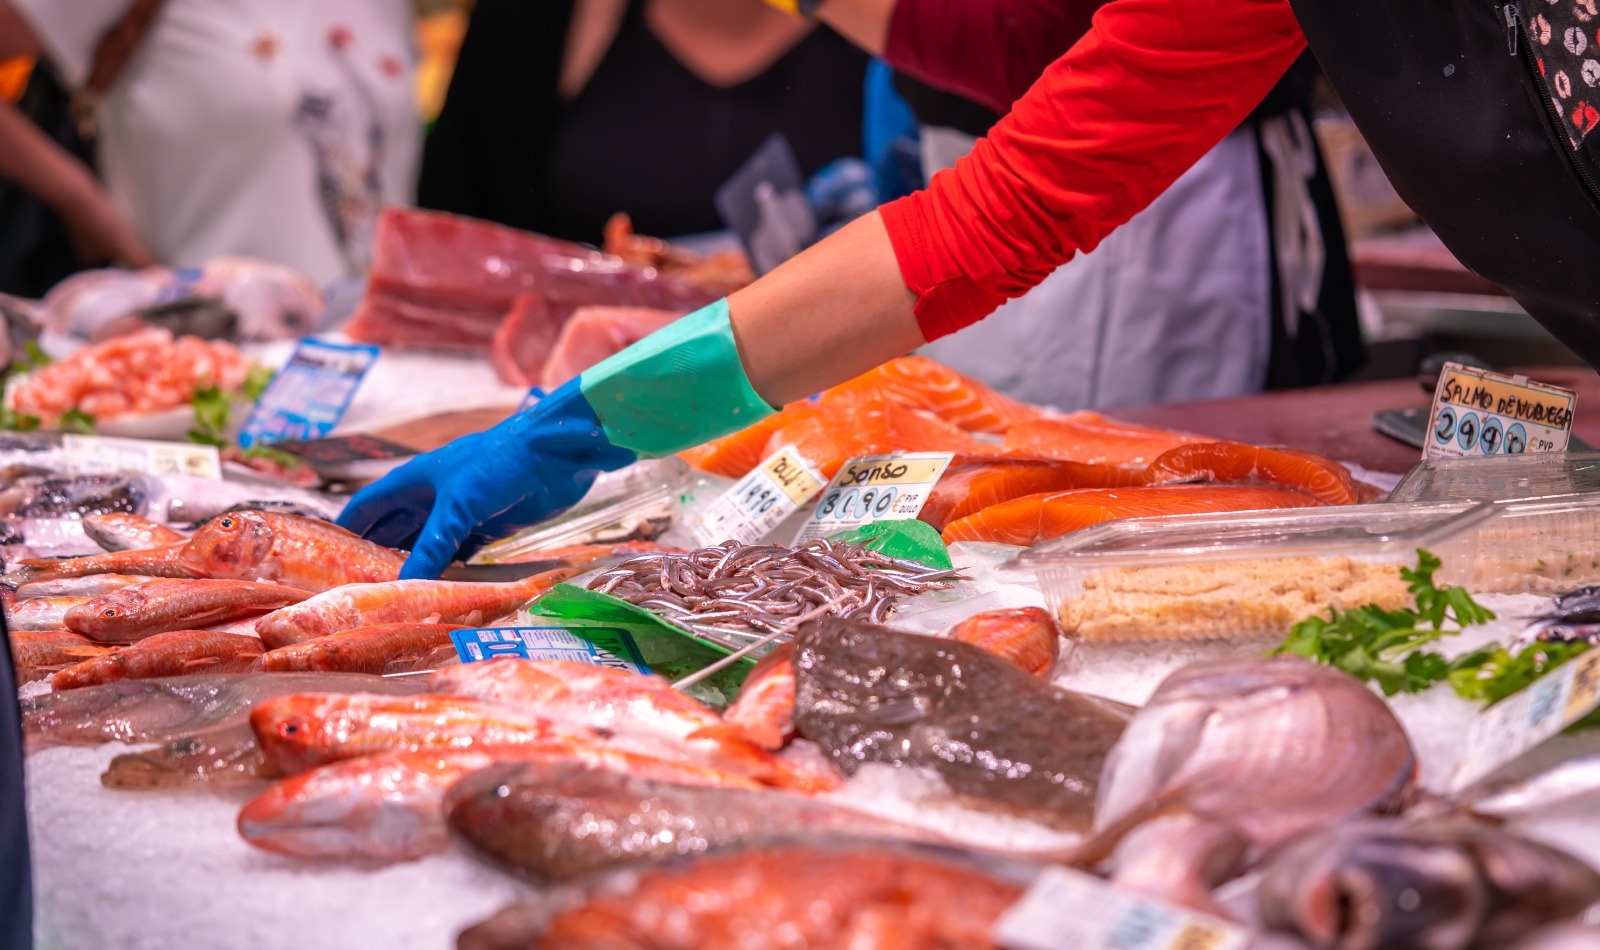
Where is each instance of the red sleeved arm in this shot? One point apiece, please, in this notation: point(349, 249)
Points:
point(989, 51)
point(1152, 87)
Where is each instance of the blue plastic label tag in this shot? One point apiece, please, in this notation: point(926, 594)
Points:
point(600, 646)
point(310, 394)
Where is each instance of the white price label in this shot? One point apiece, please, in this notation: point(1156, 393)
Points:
point(97, 453)
point(1065, 909)
point(1509, 728)
point(875, 488)
point(1477, 413)
point(760, 501)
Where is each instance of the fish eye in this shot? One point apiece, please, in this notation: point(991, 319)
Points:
point(290, 728)
point(110, 613)
point(225, 522)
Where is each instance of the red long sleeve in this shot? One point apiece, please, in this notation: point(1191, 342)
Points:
point(989, 51)
point(1152, 87)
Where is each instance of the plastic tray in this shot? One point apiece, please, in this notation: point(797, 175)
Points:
point(1236, 576)
point(1539, 546)
point(636, 503)
point(1500, 477)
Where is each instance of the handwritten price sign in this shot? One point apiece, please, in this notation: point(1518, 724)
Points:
point(760, 501)
point(875, 488)
point(1478, 413)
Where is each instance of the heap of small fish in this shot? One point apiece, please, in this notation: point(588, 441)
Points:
point(769, 587)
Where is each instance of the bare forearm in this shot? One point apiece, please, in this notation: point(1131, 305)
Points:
point(43, 168)
point(862, 22)
point(831, 313)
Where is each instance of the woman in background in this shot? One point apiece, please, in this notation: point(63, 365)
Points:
point(563, 112)
point(273, 129)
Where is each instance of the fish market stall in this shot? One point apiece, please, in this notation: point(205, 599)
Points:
point(909, 664)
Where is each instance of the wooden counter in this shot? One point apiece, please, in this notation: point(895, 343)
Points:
point(1336, 421)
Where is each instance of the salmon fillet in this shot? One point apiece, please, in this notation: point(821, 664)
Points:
point(1034, 518)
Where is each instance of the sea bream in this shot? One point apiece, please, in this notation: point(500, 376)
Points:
point(1232, 757)
point(414, 601)
point(141, 610)
point(307, 553)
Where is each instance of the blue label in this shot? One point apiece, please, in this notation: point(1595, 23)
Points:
point(600, 646)
point(310, 394)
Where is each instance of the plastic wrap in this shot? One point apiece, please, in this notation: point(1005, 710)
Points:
point(439, 281)
point(1245, 576)
point(1498, 477)
point(1541, 545)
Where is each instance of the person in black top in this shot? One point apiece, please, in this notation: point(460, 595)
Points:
point(16, 888)
point(563, 112)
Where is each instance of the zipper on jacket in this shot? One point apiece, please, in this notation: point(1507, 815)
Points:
point(1513, 19)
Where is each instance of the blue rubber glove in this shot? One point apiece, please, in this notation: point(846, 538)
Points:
point(489, 484)
point(674, 389)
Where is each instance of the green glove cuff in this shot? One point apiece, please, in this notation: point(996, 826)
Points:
point(676, 388)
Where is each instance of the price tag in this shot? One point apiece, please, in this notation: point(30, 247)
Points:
point(603, 646)
point(875, 488)
point(310, 394)
point(760, 501)
point(99, 453)
point(1065, 909)
point(1478, 413)
point(1509, 728)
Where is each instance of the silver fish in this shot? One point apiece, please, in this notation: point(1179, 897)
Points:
point(1233, 756)
point(1441, 885)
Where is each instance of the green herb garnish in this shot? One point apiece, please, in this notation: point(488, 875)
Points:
point(76, 421)
point(1383, 646)
point(211, 409)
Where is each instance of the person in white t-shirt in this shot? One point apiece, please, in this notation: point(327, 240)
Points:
point(274, 129)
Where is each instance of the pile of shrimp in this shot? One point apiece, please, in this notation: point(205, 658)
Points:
point(147, 371)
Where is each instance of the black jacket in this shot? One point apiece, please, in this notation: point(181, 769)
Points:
point(1450, 99)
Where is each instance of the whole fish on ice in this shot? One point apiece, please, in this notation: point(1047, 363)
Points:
point(161, 710)
point(123, 531)
point(994, 732)
point(1232, 757)
point(558, 821)
point(135, 612)
point(1441, 884)
point(416, 601)
point(380, 649)
point(226, 756)
point(307, 553)
point(37, 654)
point(175, 653)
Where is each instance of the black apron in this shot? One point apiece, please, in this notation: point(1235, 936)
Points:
point(1449, 96)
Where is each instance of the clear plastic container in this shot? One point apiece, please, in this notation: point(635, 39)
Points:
point(1539, 546)
point(1233, 576)
point(1500, 477)
point(637, 503)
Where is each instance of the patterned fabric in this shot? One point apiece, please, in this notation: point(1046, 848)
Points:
point(1566, 42)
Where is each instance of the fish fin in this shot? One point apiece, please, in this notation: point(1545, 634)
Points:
point(87, 650)
point(200, 663)
point(723, 732)
point(1098, 846)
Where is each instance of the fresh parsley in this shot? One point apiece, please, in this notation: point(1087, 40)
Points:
point(213, 408)
point(76, 421)
point(1384, 646)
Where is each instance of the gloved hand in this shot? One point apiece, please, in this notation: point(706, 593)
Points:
point(488, 484)
point(674, 389)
